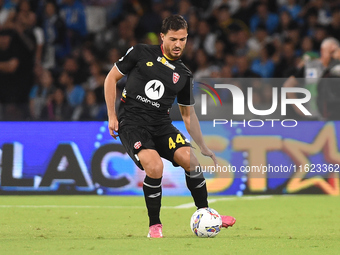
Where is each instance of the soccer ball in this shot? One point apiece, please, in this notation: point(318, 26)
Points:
point(206, 222)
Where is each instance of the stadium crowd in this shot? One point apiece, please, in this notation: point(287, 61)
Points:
point(53, 67)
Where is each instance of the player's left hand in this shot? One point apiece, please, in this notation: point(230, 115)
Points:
point(209, 153)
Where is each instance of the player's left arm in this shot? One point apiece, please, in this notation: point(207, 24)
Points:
point(192, 125)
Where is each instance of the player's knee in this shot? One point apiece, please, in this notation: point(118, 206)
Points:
point(182, 157)
point(187, 166)
point(154, 169)
point(189, 162)
point(184, 161)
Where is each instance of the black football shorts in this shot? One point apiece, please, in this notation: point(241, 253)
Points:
point(165, 139)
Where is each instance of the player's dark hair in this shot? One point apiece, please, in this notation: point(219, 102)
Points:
point(173, 22)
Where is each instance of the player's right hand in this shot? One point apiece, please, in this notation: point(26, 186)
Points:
point(113, 127)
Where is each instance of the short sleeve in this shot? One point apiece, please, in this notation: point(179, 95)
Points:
point(185, 96)
point(128, 62)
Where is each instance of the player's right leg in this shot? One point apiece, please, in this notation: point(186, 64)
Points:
point(140, 147)
point(152, 188)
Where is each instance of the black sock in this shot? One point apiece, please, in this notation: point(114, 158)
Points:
point(153, 195)
point(198, 188)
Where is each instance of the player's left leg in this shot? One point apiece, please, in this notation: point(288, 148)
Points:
point(196, 182)
point(172, 145)
point(194, 177)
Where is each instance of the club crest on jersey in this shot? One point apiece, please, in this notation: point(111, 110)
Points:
point(165, 62)
point(175, 77)
point(137, 145)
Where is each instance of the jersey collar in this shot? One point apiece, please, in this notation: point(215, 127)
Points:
point(171, 59)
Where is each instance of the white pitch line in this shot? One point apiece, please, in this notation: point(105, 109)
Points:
point(190, 205)
point(74, 206)
point(83, 206)
point(182, 206)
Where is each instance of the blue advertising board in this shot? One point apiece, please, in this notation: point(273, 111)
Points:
point(82, 158)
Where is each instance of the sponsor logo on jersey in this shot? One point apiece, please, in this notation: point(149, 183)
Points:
point(165, 62)
point(137, 145)
point(154, 89)
point(148, 101)
point(175, 78)
point(149, 63)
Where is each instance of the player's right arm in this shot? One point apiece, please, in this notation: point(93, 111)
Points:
point(122, 67)
point(110, 97)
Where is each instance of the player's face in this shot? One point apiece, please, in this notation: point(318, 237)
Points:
point(174, 42)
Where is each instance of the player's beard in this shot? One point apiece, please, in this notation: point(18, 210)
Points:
point(178, 54)
point(169, 52)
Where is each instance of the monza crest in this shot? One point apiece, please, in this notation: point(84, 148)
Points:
point(175, 78)
point(137, 145)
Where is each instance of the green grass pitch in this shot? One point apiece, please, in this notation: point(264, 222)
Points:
point(118, 225)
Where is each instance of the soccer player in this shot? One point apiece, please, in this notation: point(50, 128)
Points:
point(156, 75)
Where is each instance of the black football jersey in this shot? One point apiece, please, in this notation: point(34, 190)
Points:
point(152, 85)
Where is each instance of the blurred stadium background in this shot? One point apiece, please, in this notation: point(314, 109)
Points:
point(54, 56)
point(55, 53)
